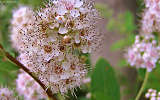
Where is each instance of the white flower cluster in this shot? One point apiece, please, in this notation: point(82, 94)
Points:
point(22, 19)
point(6, 94)
point(50, 44)
point(144, 53)
point(27, 87)
point(151, 17)
point(152, 95)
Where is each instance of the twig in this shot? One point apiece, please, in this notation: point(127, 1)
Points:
point(20, 65)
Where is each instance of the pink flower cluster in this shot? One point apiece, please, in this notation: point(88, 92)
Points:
point(152, 94)
point(6, 94)
point(29, 88)
point(144, 53)
point(151, 17)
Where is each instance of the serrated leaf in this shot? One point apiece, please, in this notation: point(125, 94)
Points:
point(104, 85)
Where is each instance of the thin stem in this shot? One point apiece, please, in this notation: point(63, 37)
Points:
point(143, 86)
point(20, 65)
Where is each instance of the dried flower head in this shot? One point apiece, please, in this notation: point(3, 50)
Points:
point(144, 53)
point(6, 94)
point(27, 87)
point(52, 45)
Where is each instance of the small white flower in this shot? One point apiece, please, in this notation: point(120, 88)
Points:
point(75, 13)
point(147, 95)
point(61, 11)
point(77, 38)
point(63, 30)
point(88, 95)
point(153, 98)
point(158, 98)
point(60, 19)
point(55, 1)
point(78, 3)
point(153, 94)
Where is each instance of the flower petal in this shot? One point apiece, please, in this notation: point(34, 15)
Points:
point(63, 30)
point(75, 13)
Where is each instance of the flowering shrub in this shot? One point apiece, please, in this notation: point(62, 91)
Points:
point(45, 51)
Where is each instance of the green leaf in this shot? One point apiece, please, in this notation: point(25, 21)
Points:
point(118, 45)
point(122, 63)
point(6, 65)
point(105, 11)
point(7, 78)
point(141, 73)
point(111, 25)
point(8, 72)
point(83, 98)
point(121, 44)
point(104, 85)
point(153, 80)
point(126, 22)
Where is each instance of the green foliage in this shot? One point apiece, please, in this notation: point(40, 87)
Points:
point(126, 27)
point(141, 6)
point(104, 85)
point(141, 73)
point(122, 63)
point(104, 10)
point(123, 23)
point(7, 71)
point(6, 65)
point(154, 80)
point(5, 16)
point(34, 3)
point(83, 99)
